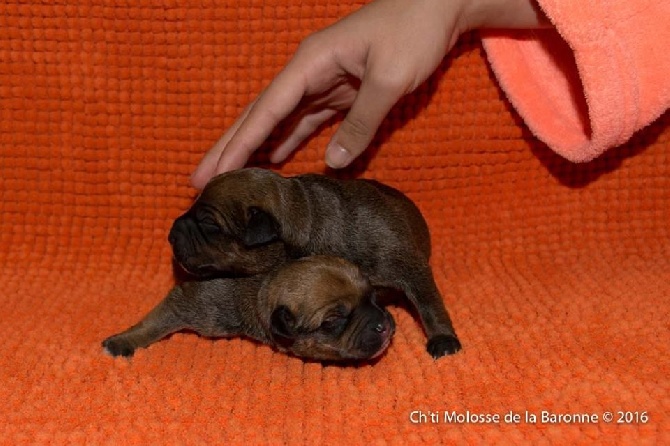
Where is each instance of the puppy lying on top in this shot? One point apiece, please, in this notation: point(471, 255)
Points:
point(242, 218)
point(317, 307)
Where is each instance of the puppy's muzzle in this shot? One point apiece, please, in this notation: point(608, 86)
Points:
point(180, 236)
point(187, 241)
point(378, 331)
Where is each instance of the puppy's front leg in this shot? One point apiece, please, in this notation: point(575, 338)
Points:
point(160, 322)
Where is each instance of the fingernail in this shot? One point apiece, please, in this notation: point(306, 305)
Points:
point(194, 179)
point(337, 156)
point(199, 177)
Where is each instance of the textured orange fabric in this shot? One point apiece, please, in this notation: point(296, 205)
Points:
point(556, 275)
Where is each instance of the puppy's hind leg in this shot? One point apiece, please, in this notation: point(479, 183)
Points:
point(420, 288)
point(160, 322)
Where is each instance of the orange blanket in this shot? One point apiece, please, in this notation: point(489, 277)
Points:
point(556, 275)
point(588, 85)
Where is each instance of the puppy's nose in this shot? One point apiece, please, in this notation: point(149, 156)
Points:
point(172, 236)
point(177, 227)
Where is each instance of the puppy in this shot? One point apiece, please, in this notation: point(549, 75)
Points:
point(239, 217)
point(318, 308)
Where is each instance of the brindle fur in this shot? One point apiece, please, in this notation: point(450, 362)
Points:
point(318, 308)
point(245, 220)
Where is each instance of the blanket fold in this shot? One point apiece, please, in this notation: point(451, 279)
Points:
point(591, 82)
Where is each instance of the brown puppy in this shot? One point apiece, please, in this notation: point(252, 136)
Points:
point(317, 307)
point(241, 215)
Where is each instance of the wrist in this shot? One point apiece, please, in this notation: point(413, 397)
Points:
point(502, 14)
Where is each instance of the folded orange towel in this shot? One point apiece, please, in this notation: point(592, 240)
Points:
point(588, 85)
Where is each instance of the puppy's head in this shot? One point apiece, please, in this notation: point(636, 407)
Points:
point(229, 228)
point(323, 308)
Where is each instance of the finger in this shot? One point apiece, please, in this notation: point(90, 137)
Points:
point(276, 103)
point(305, 127)
point(205, 170)
point(375, 99)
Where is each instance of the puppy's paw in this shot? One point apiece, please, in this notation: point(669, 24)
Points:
point(441, 345)
point(118, 346)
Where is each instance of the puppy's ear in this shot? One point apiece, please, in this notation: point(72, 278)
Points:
point(261, 228)
point(282, 326)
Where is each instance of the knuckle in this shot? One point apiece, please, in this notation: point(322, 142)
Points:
point(270, 114)
point(356, 127)
point(392, 80)
point(311, 44)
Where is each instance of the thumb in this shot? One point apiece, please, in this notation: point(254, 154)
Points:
point(373, 102)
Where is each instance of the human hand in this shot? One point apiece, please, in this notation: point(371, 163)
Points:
point(363, 63)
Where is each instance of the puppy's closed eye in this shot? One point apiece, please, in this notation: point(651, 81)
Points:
point(209, 225)
point(335, 322)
